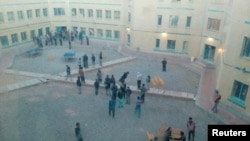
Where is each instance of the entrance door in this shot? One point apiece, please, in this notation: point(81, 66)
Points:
point(209, 52)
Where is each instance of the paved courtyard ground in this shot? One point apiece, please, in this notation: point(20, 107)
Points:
point(49, 111)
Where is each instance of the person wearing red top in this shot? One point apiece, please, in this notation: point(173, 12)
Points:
point(191, 129)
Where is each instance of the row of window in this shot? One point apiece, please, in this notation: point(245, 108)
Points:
point(99, 14)
point(91, 32)
point(100, 33)
point(61, 12)
point(171, 44)
point(22, 36)
point(20, 15)
point(212, 24)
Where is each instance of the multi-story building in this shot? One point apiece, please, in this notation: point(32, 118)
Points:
point(214, 32)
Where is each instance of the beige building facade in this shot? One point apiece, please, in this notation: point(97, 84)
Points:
point(214, 32)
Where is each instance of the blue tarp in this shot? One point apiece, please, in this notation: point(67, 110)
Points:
point(34, 51)
point(69, 54)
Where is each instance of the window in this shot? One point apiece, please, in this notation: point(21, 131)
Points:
point(128, 39)
point(117, 35)
point(246, 47)
point(171, 44)
point(188, 22)
point(239, 91)
point(159, 19)
point(4, 41)
point(209, 52)
point(213, 24)
point(91, 32)
point(10, 16)
point(32, 34)
point(59, 12)
point(83, 30)
point(73, 11)
point(90, 13)
point(23, 36)
point(108, 34)
point(81, 11)
point(185, 47)
point(108, 14)
point(99, 14)
point(45, 12)
point(40, 32)
point(1, 18)
point(47, 30)
point(117, 15)
point(157, 43)
point(14, 38)
point(173, 22)
point(29, 14)
point(129, 17)
point(99, 33)
point(20, 15)
point(37, 13)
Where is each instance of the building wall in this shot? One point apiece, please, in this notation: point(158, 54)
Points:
point(214, 34)
point(237, 26)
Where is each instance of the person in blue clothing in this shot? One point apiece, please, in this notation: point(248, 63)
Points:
point(138, 107)
point(112, 103)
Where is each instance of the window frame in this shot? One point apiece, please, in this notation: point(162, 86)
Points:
point(10, 15)
point(213, 24)
point(159, 20)
point(108, 14)
point(99, 14)
point(245, 47)
point(20, 15)
point(29, 14)
point(173, 21)
point(117, 15)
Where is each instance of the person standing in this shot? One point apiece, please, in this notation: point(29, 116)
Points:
point(97, 85)
point(99, 75)
point(191, 129)
point(100, 58)
point(183, 137)
point(112, 107)
point(168, 134)
point(69, 44)
point(68, 71)
point(87, 40)
point(78, 133)
point(148, 81)
point(85, 61)
point(138, 107)
point(143, 92)
point(81, 74)
point(139, 78)
point(164, 65)
point(107, 85)
point(93, 60)
point(114, 90)
point(128, 93)
point(217, 98)
point(112, 79)
point(79, 84)
point(120, 98)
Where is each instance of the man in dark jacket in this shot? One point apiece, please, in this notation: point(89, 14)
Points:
point(79, 84)
point(164, 65)
point(97, 85)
